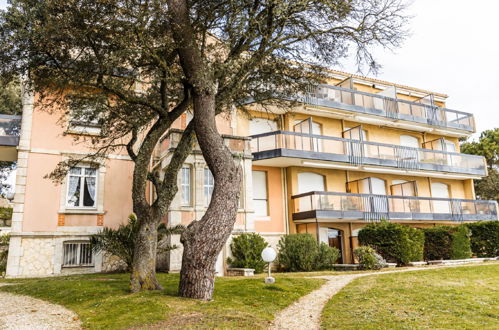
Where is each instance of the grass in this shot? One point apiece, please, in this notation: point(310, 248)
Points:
point(102, 301)
point(461, 297)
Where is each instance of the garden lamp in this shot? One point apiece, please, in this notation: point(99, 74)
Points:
point(269, 255)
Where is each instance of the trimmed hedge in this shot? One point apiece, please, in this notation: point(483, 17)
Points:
point(393, 241)
point(445, 242)
point(484, 238)
point(246, 250)
point(300, 252)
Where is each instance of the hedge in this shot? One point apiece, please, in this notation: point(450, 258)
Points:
point(394, 242)
point(246, 251)
point(484, 238)
point(445, 242)
point(301, 252)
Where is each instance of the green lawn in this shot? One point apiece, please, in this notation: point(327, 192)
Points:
point(102, 301)
point(462, 297)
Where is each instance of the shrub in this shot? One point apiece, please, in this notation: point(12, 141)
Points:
point(300, 252)
point(445, 242)
point(461, 243)
point(120, 242)
point(4, 251)
point(6, 213)
point(326, 257)
point(246, 250)
point(394, 242)
point(484, 238)
point(368, 258)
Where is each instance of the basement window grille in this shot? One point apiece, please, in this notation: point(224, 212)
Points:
point(77, 254)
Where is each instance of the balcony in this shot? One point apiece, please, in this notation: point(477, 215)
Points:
point(239, 145)
point(320, 206)
point(423, 113)
point(282, 148)
point(10, 129)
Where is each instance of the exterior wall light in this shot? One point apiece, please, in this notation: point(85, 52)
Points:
point(269, 255)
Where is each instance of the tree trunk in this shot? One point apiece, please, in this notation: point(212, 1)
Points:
point(204, 239)
point(143, 275)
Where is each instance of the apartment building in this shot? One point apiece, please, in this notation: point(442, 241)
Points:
point(353, 151)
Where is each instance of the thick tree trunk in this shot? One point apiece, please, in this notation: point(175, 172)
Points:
point(143, 275)
point(203, 240)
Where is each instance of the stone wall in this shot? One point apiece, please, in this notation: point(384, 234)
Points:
point(111, 263)
point(37, 258)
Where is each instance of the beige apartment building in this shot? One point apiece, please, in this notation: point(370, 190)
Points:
point(353, 151)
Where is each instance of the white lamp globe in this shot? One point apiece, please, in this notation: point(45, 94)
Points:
point(269, 254)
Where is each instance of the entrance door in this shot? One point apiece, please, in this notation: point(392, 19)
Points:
point(308, 181)
point(334, 238)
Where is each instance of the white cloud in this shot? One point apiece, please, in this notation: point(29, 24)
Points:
point(453, 49)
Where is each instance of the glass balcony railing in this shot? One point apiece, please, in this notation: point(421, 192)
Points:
point(368, 103)
point(237, 144)
point(369, 207)
point(10, 130)
point(327, 148)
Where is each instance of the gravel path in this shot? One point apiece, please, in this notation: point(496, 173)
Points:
point(305, 313)
point(22, 312)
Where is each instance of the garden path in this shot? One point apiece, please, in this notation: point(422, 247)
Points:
point(305, 313)
point(22, 312)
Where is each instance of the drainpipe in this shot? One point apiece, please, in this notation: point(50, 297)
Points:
point(285, 193)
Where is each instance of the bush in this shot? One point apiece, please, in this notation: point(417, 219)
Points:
point(326, 257)
point(394, 242)
point(445, 242)
point(4, 251)
point(368, 258)
point(484, 238)
point(6, 213)
point(120, 242)
point(461, 243)
point(300, 252)
point(246, 250)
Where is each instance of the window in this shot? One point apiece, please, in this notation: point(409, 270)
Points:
point(209, 184)
point(186, 185)
point(77, 254)
point(81, 187)
point(260, 195)
point(262, 125)
point(86, 121)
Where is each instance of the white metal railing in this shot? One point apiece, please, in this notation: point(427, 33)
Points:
point(390, 107)
point(359, 151)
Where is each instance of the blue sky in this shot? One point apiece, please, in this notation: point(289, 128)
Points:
point(453, 49)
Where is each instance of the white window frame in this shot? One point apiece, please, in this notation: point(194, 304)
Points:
point(208, 186)
point(78, 247)
point(266, 199)
point(186, 186)
point(82, 126)
point(81, 176)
